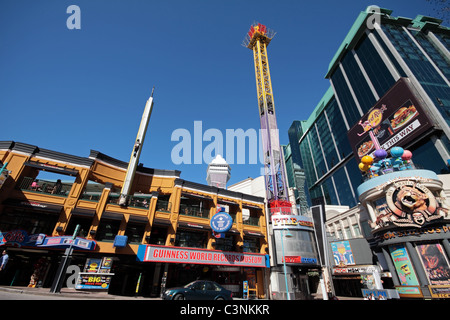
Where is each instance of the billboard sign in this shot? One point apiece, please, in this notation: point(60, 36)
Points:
point(153, 253)
point(396, 119)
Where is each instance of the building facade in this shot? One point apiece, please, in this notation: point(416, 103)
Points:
point(389, 88)
point(376, 54)
point(162, 239)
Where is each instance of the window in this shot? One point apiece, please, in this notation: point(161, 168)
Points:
point(251, 245)
point(348, 233)
point(85, 225)
point(338, 128)
point(345, 97)
point(326, 140)
point(375, 67)
point(358, 82)
point(191, 239)
point(107, 230)
point(30, 221)
point(135, 232)
point(356, 230)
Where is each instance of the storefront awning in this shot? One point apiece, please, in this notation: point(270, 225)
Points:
point(34, 205)
point(254, 234)
point(193, 226)
point(83, 212)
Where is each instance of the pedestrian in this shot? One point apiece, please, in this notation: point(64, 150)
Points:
point(4, 260)
point(57, 188)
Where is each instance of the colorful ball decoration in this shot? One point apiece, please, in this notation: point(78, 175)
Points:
point(380, 154)
point(407, 155)
point(397, 152)
point(367, 160)
point(363, 167)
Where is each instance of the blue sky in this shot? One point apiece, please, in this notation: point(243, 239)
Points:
point(76, 90)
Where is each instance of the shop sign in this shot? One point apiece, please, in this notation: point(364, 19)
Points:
point(221, 222)
point(20, 238)
point(93, 281)
point(281, 221)
point(439, 291)
point(414, 232)
point(299, 259)
point(396, 119)
point(97, 274)
point(66, 241)
point(152, 253)
point(409, 291)
point(354, 270)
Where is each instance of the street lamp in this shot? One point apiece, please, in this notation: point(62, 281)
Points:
point(288, 235)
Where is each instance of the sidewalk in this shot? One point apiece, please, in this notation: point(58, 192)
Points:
point(71, 293)
point(74, 294)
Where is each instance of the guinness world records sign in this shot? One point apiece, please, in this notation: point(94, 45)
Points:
point(221, 222)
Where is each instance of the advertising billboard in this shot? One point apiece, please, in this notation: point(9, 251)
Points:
point(396, 119)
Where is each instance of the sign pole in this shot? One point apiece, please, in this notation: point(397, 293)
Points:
point(65, 260)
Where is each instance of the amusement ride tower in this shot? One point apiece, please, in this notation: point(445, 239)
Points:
point(257, 39)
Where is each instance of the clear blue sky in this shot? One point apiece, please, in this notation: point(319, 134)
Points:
point(76, 90)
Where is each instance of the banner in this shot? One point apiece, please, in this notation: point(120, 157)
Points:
point(152, 253)
point(403, 265)
point(435, 263)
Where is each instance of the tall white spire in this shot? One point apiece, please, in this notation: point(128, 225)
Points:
point(218, 172)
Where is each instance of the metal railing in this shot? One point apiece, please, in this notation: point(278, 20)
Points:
point(56, 188)
point(142, 202)
point(194, 211)
point(251, 221)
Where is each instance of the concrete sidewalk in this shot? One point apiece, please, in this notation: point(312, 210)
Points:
point(95, 295)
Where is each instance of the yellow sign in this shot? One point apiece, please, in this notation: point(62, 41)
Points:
point(375, 117)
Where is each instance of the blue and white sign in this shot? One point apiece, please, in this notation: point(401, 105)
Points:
point(221, 222)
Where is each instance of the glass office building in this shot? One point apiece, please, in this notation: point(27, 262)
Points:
point(379, 51)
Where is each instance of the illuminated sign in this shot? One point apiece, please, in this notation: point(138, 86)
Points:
point(299, 259)
point(281, 221)
point(221, 222)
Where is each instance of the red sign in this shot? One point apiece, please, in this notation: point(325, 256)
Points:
point(151, 253)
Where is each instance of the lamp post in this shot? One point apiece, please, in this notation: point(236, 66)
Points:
point(288, 235)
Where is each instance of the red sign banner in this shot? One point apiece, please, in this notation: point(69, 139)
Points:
point(151, 253)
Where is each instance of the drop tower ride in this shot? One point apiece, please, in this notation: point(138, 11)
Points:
point(257, 39)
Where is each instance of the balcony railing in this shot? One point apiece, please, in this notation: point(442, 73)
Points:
point(163, 206)
point(194, 211)
point(251, 221)
point(135, 201)
point(56, 188)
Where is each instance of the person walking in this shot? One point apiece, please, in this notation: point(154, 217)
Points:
point(4, 260)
